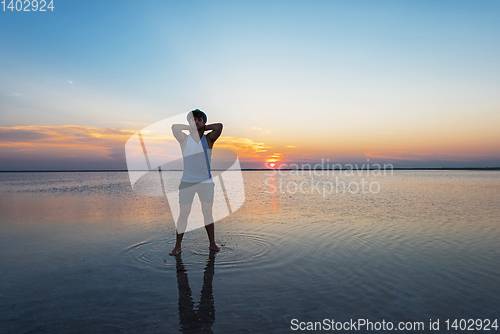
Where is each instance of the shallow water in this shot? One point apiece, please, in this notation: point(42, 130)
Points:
point(82, 252)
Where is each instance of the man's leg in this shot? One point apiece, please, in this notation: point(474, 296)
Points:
point(185, 209)
point(209, 224)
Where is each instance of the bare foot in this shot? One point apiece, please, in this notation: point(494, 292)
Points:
point(214, 248)
point(175, 251)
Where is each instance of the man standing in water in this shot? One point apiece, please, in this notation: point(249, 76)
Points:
point(196, 178)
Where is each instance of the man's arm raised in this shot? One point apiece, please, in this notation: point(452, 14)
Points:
point(215, 131)
point(177, 131)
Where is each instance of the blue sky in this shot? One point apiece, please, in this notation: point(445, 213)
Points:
point(304, 72)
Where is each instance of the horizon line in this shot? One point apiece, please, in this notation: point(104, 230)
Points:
point(242, 169)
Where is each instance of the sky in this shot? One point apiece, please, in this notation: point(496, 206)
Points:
point(410, 83)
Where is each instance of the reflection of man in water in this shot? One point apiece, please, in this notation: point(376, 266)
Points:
point(196, 178)
point(194, 320)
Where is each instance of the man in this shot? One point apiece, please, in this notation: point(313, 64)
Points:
point(196, 178)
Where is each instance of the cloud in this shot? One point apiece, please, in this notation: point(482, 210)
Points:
point(71, 82)
point(15, 94)
point(261, 130)
point(85, 147)
point(425, 156)
point(244, 147)
point(275, 157)
point(57, 141)
point(20, 135)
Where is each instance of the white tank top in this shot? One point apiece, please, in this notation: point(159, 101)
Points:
point(195, 162)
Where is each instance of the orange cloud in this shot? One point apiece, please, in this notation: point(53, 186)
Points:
point(426, 156)
point(93, 146)
point(79, 147)
point(64, 136)
point(67, 143)
point(244, 147)
point(276, 157)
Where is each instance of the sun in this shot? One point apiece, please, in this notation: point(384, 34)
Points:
point(271, 164)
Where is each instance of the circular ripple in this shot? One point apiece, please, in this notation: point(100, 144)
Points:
point(150, 253)
point(260, 245)
point(243, 248)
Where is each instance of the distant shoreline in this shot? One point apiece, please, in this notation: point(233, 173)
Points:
point(245, 170)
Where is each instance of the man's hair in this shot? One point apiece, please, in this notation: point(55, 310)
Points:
point(197, 113)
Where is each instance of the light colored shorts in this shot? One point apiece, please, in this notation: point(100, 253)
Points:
point(187, 190)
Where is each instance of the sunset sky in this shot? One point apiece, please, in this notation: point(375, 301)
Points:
point(412, 83)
